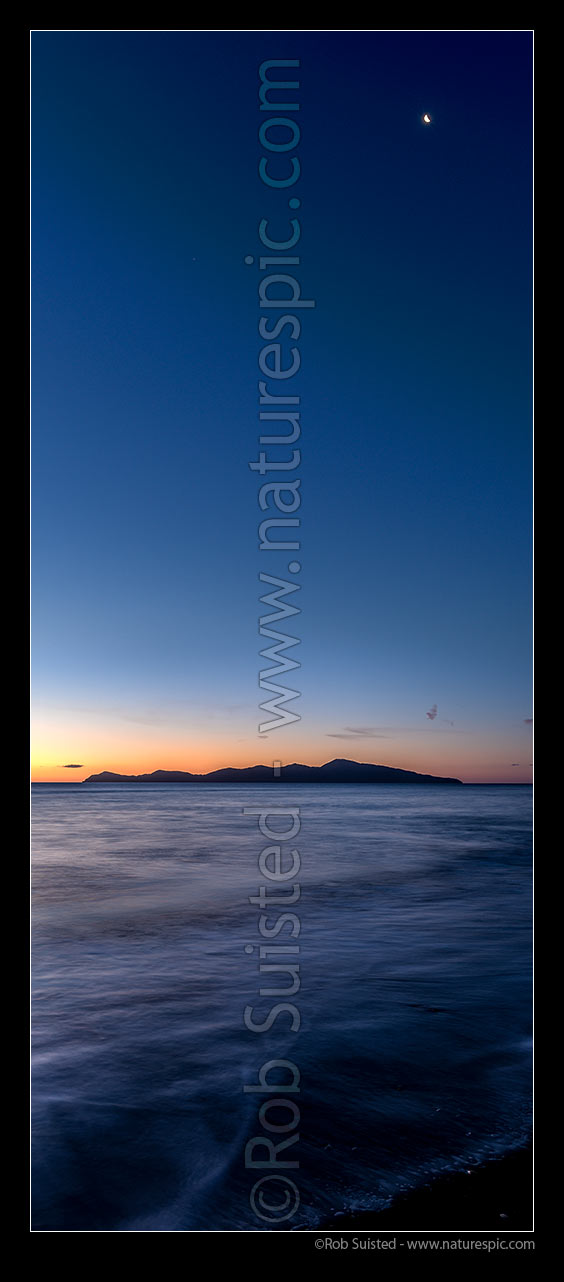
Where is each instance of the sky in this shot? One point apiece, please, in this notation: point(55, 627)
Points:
point(415, 401)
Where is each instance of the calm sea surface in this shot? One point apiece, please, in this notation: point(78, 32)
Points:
point(414, 957)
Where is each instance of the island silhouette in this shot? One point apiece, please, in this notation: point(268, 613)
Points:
point(338, 771)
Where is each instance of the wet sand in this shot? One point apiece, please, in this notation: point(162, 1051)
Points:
point(495, 1196)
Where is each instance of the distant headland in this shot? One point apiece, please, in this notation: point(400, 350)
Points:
point(340, 771)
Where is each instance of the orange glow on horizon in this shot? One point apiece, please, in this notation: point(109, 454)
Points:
point(118, 744)
point(486, 764)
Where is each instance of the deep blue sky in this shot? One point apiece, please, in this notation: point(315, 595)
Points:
point(415, 386)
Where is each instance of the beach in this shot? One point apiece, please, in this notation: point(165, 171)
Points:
point(494, 1197)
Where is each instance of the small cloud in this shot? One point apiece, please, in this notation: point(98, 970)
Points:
point(432, 712)
point(515, 763)
point(73, 766)
point(357, 732)
point(528, 721)
point(447, 723)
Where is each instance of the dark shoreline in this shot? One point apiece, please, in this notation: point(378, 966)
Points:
point(495, 1196)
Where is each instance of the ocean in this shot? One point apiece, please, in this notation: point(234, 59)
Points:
point(414, 999)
